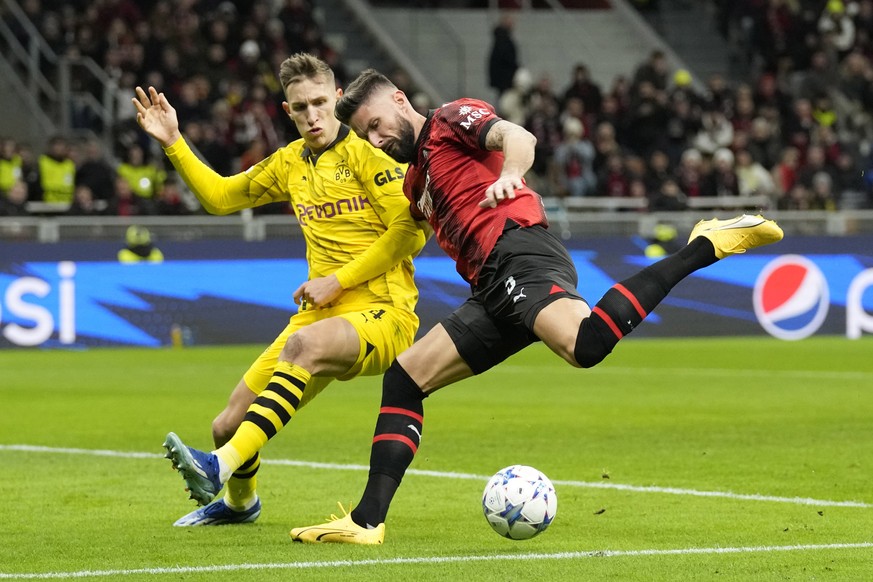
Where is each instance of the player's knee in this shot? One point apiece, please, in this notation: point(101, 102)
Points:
point(293, 349)
point(592, 343)
point(398, 386)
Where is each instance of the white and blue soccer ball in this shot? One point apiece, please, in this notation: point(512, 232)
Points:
point(519, 502)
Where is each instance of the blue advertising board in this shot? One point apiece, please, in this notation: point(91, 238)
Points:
point(77, 294)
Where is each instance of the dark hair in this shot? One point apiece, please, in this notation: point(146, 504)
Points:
point(359, 91)
point(303, 66)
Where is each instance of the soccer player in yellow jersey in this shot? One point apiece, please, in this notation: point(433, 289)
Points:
point(356, 308)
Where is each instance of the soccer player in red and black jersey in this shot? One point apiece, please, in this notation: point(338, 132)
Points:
point(465, 176)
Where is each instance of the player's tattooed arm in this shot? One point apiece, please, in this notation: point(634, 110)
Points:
point(517, 145)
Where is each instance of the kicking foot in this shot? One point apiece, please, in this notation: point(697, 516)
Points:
point(199, 470)
point(218, 513)
point(341, 530)
point(737, 235)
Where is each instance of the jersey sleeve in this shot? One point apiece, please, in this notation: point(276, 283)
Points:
point(259, 185)
point(382, 179)
point(469, 120)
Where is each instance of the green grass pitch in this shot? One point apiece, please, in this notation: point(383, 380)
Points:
point(707, 459)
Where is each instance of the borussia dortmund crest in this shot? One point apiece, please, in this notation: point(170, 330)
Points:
point(342, 173)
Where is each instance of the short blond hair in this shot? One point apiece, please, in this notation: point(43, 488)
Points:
point(302, 66)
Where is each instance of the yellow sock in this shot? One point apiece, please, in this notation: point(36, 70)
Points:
point(240, 493)
point(266, 416)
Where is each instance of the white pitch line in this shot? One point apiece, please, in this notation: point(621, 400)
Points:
point(430, 560)
point(470, 477)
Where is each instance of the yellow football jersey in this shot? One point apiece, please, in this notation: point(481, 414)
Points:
point(349, 202)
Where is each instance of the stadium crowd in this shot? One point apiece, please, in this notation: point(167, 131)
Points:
point(797, 129)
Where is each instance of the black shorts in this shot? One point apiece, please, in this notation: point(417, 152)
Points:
point(527, 270)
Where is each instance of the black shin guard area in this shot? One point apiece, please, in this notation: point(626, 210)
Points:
point(395, 442)
point(594, 341)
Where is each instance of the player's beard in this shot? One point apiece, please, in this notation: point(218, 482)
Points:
point(402, 148)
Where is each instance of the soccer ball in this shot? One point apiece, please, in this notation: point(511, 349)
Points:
point(519, 502)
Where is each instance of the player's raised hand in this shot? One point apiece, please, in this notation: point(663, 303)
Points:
point(156, 116)
point(504, 188)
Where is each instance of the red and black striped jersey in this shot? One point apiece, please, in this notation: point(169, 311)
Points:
point(449, 176)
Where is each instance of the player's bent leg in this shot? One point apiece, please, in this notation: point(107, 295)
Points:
point(328, 347)
point(627, 303)
point(339, 530)
point(557, 325)
point(219, 513)
point(200, 470)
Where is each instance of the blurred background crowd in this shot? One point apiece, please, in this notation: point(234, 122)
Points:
point(795, 127)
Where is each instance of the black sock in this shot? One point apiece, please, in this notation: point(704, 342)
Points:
point(627, 303)
point(395, 442)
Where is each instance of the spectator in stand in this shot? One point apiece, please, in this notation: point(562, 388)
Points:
point(654, 70)
point(170, 202)
point(83, 202)
point(609, 113)
point(768, 93)
point(816, 162)
point(512, 104)
point(719, 95)
point(503, 60)
point(722, 180)
point(822, 192)
point(296, 16)
point(820, 78)
point(14, 201)
point(125, 202)
point(574, 107)
point(744, 110)
point(605, 145)
point(716, 132)
point(753, 178)
point(683, 124)
point(256, 152)
point(837, 27)
point(691, 173)
point(637, 189)
point(96, 172)
point(762, 143)
point(798, 197)
point(10, 165)
point(613, 179)
point(848, 183)
point(572, 169)
point(144, 178)
point(669, 197)
point(57, 173)
point(785, 172)
point(799, 125)
point(647, 118)
point(657, 170)
point(204, 137)
point(683, 89)
point(543, 121)
point(856, 88)
point(583, 88)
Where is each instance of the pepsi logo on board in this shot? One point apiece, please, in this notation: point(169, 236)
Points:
point(791, 297)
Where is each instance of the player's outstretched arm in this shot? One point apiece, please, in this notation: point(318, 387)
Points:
point(156, 116)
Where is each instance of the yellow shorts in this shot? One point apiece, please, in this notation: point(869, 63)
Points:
point(388, 330)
